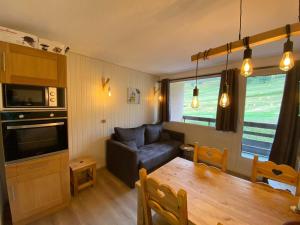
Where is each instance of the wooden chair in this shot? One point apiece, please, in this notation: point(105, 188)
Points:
point(163, 200)
point(212, 156)
point(281, 173)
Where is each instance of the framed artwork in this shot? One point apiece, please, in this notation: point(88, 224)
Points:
point(133, 96)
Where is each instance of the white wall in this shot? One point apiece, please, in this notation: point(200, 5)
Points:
point(88, 104)
point(209, 135)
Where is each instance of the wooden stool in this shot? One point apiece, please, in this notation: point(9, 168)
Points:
point(83, 173)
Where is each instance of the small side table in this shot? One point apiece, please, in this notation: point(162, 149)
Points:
point(187, 151)
point(83, 173)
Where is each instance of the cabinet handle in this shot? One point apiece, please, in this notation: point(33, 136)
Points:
point(3, 62)
point(13, 193)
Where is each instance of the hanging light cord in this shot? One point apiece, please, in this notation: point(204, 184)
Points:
point(288, 31)
point(246, 42)
point(197, 69)
point(228, 52)
point(240, 29)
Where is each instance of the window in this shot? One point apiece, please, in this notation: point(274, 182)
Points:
point(181, 94)
point(262, 108)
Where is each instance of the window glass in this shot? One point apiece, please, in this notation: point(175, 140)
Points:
point(181, 94)
point(262, 108)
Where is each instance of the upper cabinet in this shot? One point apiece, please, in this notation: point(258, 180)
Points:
point(24, 65)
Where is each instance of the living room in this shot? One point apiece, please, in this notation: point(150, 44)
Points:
point(101, 98)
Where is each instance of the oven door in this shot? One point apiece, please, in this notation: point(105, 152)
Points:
point(31, 138)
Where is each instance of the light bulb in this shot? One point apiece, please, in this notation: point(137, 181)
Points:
point(247, 66)
point(287, 61)
point(195, 101)
point(160, 98)
point(224, 100)
point(109, 92)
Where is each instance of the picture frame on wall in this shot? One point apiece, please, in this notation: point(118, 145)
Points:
point(133, 96)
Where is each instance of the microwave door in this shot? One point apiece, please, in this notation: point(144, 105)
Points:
point(22, 96)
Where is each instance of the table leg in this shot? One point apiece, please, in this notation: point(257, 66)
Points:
point(140, 214)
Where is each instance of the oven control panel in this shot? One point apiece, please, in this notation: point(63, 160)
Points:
point(31, 115)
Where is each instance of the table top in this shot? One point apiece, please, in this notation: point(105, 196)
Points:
point(216, 197)
point(81, 163)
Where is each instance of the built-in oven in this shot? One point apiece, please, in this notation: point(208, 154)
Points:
point(16, 97)
point(31, 134)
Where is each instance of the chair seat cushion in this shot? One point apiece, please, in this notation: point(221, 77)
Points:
point(155, 155)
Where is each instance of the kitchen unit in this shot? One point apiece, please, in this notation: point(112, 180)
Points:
point(34, 133)
point(24, 65)
point(38, 186)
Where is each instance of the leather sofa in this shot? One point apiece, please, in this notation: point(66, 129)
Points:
point(148, 146)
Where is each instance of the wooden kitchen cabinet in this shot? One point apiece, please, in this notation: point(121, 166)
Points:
point(3, 54)
point(38, 187)
point(24, 65)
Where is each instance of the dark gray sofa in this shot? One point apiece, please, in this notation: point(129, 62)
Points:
point(147, 146)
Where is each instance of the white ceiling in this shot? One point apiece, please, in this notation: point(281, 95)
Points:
point(154, 36)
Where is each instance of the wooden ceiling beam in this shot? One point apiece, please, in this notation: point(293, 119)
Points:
point(255, 40)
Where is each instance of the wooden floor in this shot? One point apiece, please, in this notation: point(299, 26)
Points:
point(110, 202)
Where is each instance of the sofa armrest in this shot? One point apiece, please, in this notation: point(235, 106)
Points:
point(122, 161)
point(178, 136)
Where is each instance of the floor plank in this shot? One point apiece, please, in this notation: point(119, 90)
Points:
point(109, 202)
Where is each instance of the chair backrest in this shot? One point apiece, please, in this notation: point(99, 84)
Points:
point(211, 155)
point(282, 173)
point(163, 200)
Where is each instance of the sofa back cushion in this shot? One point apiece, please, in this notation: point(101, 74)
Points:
point(152, 133)
point(136, 134)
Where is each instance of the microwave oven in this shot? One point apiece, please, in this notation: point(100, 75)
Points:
point(15, 96)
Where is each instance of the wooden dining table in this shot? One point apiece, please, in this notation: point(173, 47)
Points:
point(217, 197)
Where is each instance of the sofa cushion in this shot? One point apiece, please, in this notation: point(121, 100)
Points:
point(136, 134)
point(131, 144)
point(155, 155)
point(152, 133)
point(164, 136)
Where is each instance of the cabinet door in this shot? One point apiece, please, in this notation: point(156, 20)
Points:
point(30, 66)
point(29, 197)
point(3, 60)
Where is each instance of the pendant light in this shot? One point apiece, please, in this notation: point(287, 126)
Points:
point(195, 100)
point(247, 66)
point(287, 60)
point(225, 100)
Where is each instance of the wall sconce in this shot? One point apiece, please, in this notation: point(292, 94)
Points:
point(105, 84)
point(156, 90)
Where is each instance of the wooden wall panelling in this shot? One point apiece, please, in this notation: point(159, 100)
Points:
point(88, 104)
